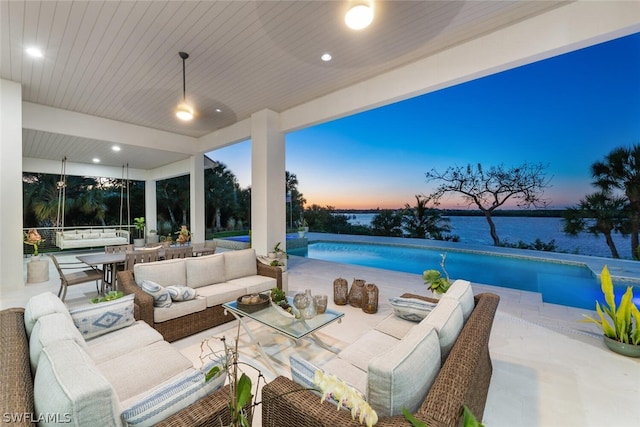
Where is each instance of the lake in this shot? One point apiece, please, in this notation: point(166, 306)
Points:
point(474, 229)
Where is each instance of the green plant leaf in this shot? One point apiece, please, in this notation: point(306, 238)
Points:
point(468, 419)
point(635, 333)
point(243, 391)
point(212, 373)
point(606, 284)
point(412, 419)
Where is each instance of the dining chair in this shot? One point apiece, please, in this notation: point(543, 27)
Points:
point(144, 255)
point(178, 252)
point(74, 273)
point(110, 276)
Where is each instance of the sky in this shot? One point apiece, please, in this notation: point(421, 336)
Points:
point(565, 112)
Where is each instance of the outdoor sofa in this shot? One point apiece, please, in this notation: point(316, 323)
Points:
point(217, 278)
point(54, 372)
point(91, 238)
point(401, 365)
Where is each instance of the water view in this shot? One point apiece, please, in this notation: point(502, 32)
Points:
point(474, 229)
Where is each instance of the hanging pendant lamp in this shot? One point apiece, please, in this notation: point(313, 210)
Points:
point(184, 111)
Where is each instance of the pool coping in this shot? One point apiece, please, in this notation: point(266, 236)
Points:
point(621, 270)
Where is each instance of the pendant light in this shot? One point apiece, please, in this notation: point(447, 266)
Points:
point(184, 111)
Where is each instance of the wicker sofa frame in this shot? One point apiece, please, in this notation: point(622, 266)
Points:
point(175, 329)
point(463, 380)
point(16, 384)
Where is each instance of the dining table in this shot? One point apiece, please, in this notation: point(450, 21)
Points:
point(112, 260)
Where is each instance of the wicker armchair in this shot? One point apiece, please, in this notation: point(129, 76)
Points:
point(463, 380)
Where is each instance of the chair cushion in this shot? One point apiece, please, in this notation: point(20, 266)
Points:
point(461, 291)
point(255, 284)
point(41, 305)
point(220, 293)
point(162, 401)
point(394, 326)
point(205, 270)
point(240, 263)
point(161, 296)
point(165, 273)
point(51, 328)
point(403, 375)
point(369, 345)
point(411, 309)
point(121, 341)
point(69, 384)
point(179, 309)
point(181, 293)
point(448, 321)
point(96, 319)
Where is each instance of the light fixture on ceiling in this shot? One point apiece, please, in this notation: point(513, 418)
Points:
point(359, 16)
point(95, 160)
point(34, 52)
point(184, 111)
point(326, 57)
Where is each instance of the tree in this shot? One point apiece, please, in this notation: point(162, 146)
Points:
point(424, 222)
point(609, 213)
point(387, 222)
point(297, 199)
point(221, 194)
point(490, 189)
point(621, 170)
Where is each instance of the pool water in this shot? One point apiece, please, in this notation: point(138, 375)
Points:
point(559, 283)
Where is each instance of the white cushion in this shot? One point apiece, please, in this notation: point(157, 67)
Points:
point(68, 384)
point(122, 341)
point(72, 236)
point(220, 293)
point(181, 293)
point(140, 370)
point(240, 263)
point(461, 291)
point(347, 372)
point(161, 296)
point(96, 319)
point(108, 235)
point(171, 396)
point(448, 321)
point(51, 328)
point(394, 326)
point(90, 235)
point(179, 309)
point(205, 270)
point(411, 309)
point(166, 273)
point(109, 230)
point(41, 305)
point(371, 344)
point(402, 376)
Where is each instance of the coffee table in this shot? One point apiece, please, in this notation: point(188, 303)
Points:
point(292, 328)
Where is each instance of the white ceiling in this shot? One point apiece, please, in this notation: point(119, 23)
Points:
point(119, 60)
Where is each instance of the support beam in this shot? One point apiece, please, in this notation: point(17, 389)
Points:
point(268, 222)
point(196, 203)
point(11, 271)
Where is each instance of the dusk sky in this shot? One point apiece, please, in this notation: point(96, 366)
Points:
point(566, 112)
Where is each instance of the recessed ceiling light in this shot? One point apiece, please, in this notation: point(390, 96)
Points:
point(96, 160)
point(116, 148)
point(359, 16)
point(218, 110)
point(34, 52)
point(326, 57)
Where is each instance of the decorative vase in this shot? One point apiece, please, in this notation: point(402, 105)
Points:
point(310, 310)
point(35, 258)
point(370, 298)
point(340, 291)
point(355, 294)
point(300, 302)
point(629, 350)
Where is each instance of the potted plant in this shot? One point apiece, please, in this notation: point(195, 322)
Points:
point(622, 335)
point(183, 235)
point(153, 237)
point(301, 232)
point(166, 240)
point(139, 224)
point(33, 238)
point(437, 284)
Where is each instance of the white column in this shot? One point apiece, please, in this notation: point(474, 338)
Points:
point(150, 205)
point(196, 195)
point(268, 214)
point(11, 261)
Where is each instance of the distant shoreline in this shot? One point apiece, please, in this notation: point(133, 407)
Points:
point(537, 213)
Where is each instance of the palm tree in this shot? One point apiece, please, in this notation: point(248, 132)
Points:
point(424, 222)
point(608, 212)
point(387, 222)
point(221, 188)
point(621, 170)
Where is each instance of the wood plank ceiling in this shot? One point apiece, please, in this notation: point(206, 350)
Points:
point(119, 59)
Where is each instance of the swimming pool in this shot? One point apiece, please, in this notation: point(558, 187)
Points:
point(559, 283)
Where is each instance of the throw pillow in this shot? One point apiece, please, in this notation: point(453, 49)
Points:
point(181, 293)
point(169, 398)
point(41, 305)
point(97, 319)
point(161, 297)
point(411, 309)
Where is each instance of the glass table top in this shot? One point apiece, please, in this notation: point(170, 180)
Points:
point(284, 322)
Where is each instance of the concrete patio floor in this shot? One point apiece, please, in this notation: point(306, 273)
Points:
point(549, 369)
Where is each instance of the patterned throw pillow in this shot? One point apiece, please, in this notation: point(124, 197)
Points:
point(181, 293)
point(97, 319)
point(169, 398)
point(161, 297)
point(410, 308)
